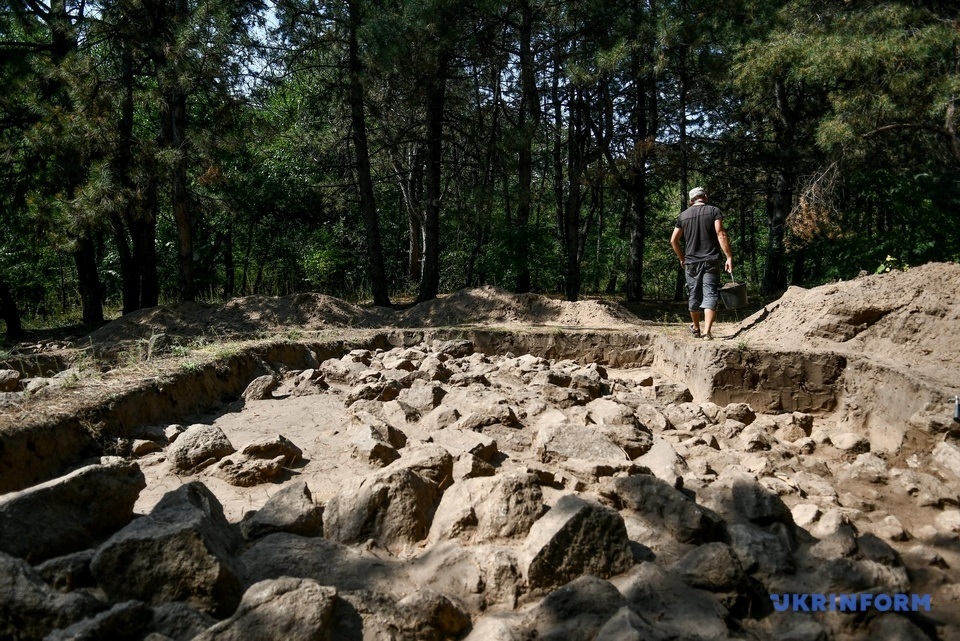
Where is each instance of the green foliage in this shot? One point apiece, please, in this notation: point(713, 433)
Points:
point(766, 92)
point(890, 264)
point(327, 266)
point(191, 367)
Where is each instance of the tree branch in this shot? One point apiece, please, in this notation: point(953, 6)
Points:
point(14, 44)
point(948, 132)
point(907, 125)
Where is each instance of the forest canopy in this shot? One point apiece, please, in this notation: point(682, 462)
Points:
point(163, 150)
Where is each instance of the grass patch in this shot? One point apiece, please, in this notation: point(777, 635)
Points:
point(191, 367)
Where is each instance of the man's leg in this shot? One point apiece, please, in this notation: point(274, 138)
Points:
point(711, 296)
point(709, 315)
point(695, 317)
point(694, 294)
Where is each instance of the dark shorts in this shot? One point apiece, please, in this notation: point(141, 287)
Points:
point(703, 285)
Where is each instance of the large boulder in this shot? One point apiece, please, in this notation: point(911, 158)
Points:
point(479, 576)
point(458, 441)
point(714, 567)
point(178, 621)
point(394, 505)
point(364, 422)
point(69, 513)
point(663, 460)
point(29, 608)
point(687, 416)
point(576, 537)
point(423, 397)
point(325, 561)
point(926, 489)
point(423, 616)
point(760, 551)
point(677, 610)
point(273, 446)
point(948, 456)
point(575, 612)
point(291, 509)
point(244, 471)
point(488, 508)
point(560, 441)
point(127, 620)
point(287, 608)
point(69, 572)
point(456, 348)
point(740, 497)
point(432, 462)
point(182, 551)
point(9, 380)
point(618, 421)
point(261, 388)
point(663, 506)
point(606, 411)
point(199, 445)
point(627, 625)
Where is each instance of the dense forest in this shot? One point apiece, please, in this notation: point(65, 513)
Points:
point(163, 150)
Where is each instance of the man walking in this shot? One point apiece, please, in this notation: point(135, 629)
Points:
point(701, 226)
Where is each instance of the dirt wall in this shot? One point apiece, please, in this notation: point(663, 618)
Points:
point(38, 451)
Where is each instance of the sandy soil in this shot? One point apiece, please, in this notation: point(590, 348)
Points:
point(254, 316)
point(908, 318)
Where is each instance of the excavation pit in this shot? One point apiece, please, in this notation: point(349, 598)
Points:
point(491, 474)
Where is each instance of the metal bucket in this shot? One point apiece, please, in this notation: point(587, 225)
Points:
point(734, 295)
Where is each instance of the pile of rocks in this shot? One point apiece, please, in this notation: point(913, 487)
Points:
point(14, 388)
point(504, 498)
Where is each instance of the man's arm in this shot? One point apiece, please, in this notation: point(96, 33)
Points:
point(724, 245)
point(675, 243)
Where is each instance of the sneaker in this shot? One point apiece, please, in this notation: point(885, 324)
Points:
point(694, 332)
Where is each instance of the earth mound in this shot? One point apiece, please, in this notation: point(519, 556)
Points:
point(251, 316)
point(909, 318)
point(490, 305)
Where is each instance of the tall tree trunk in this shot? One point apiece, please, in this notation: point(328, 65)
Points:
point(129, 265)
point(175, 117)
point(173, 112)
point(9, 311)
point(528, 107)
point(557, 101)
point(684, 160)
point(571, 220)
point(247, 253)
point(637, 227)
point(88, 280)
point(411, 189)
point(799, 263)
point(129, 273)
point(144, 232)
point(415, 246)
point(775, 272)
point(644, 121)
point(638, 186)
point(229, 268)
point(368, 205)
point(435, 99)
point(474, 255)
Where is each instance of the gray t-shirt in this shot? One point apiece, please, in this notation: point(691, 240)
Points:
point(700, 233)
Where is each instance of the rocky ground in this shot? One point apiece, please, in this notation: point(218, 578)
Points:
point(438, 492)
